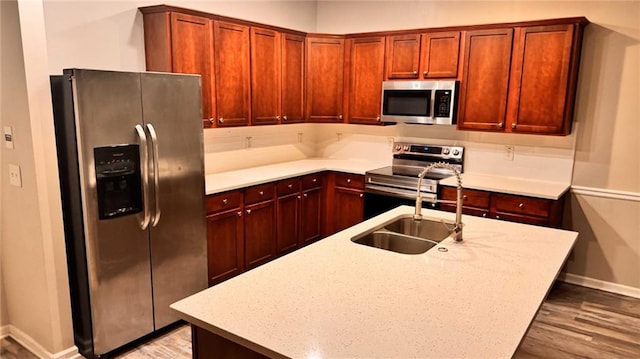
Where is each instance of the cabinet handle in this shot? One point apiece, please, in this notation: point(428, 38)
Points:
point(424, 73)
point(361, 195)
point(211, 120)
point(224, 201)
point(248, 211)
point(415, 73)
point(339, 117)
point(513, 126)
point(348, 180)
point(314, 180)
point(497, 217)
point(484, 215)
point(305, 195)
point(500, 124)
point(290, 186)
point(284, 118)
point(464, 197)
point(299, 197)
point(221, 120)
point(521, 205)
point(239, 213)
point(378, 119)
point(261, 193)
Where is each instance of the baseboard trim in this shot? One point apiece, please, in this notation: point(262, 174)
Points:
point(34, 347)
point(600, 284)
point(606, 193)
point(4, 331)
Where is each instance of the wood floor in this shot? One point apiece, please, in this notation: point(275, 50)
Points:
point(574, 322)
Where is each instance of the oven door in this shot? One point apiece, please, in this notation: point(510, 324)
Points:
point(378, 199)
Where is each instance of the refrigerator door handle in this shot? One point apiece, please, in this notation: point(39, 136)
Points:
point(144, 169)
point(156, 174)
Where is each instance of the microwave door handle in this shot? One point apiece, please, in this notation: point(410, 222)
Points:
point(156, 173)
point(432, 105)
point(144, 168)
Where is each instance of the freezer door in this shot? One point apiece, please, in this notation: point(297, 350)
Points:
point(172, 112)
point(107, 107)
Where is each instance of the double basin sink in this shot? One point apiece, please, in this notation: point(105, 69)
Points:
point(406, 235)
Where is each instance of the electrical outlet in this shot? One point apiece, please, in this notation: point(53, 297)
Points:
point(15, 179)
point(509, 152)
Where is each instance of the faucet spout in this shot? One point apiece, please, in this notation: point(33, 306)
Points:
point(417, 215)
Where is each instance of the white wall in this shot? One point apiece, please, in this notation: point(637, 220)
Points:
point(607, 114)
point(33, 258)
point(109, 34)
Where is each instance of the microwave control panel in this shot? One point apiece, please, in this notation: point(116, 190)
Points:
point(442, 103)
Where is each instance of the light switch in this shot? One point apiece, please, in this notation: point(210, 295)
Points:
point(8, 137)
point(15, 179)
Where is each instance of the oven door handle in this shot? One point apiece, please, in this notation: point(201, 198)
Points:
point(399, 193)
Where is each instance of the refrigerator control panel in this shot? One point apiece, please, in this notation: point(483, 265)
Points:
point(118, 180)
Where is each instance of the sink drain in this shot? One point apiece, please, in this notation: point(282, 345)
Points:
point(442, 249)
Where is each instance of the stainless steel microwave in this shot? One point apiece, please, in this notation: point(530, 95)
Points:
point(419, 102)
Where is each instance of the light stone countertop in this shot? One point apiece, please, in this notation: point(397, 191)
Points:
point(511, 185)
point(339, 299)
point(226, 181)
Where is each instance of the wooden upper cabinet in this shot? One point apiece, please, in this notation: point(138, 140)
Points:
point(366, 72)
point(325, 76)
point(403, 57)
point(485, 79)
point(292, 78)
point(231, 59)
point(265, 76)
point(182, 43)
point(439, 55)
point(543, 80)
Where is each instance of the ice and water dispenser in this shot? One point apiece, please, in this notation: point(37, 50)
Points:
point(118, 180)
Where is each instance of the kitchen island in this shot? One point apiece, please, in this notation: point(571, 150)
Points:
point(339, 299)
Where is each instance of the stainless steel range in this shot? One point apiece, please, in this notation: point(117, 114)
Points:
point(391, 186)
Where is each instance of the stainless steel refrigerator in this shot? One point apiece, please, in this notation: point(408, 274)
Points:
point(130, 153)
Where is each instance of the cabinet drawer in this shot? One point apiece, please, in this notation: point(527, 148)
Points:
point(520, 205)
point(223, 201)
point(312, 181)
point(349, 180)
point(259, 193)
point(288, 186)
point(470, 198)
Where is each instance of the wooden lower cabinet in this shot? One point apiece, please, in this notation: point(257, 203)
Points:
point(259, 233)
point(288, 215)
point(207, 345)
point(345, 201)
point(514, 208)
point(225, 243)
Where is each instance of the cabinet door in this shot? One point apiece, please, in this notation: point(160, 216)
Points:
point(191, 53)
point(310, 217)
point(366, 74)
point(439, 56)
point(259, 233)
point(485, 80)
point(225, 248)
point(288, 222)
point(348, 208)
point(292, 78)
point(538, 98)
point(325, 62)
point(265, 76)
point(403, 56)
point(231, 59)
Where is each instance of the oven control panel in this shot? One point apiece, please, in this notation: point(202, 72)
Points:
point(433, 151)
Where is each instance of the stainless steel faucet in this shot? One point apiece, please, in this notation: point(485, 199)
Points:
point(417, 215)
